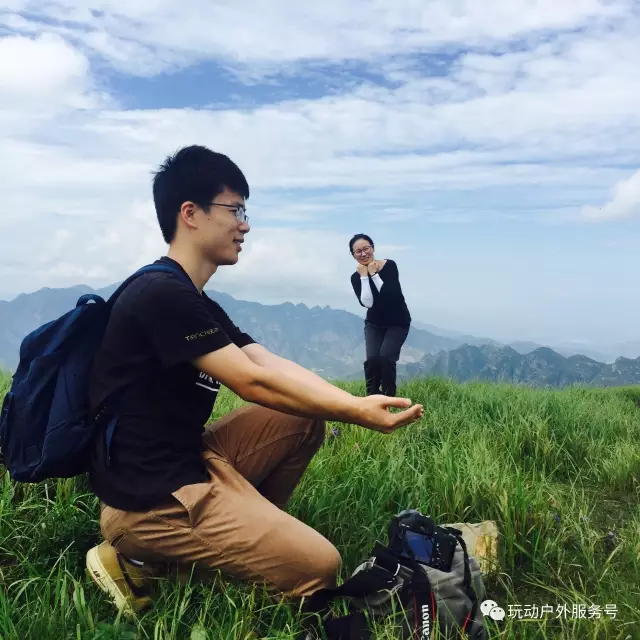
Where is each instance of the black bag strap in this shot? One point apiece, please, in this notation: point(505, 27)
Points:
point(373, 579)
point(379, 576)
point(156, 267)
point(360, 585)
point(468, 587)
point(418, 590)
point(351, 627)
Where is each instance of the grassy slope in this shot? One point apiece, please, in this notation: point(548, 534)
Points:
point(557, 470)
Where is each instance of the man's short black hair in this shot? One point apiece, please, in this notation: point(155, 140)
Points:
point(194, 174)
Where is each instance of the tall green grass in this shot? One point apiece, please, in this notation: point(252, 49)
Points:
point(558, 470)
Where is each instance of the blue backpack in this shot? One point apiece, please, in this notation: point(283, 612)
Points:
point(46, 429)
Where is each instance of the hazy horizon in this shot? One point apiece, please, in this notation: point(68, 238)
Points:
point(503, 338)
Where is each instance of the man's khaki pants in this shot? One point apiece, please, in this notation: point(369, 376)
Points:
point(234, 522)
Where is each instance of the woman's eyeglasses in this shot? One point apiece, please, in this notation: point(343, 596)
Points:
point(359, 252)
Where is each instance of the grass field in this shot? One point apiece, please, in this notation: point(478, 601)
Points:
point(558, 471)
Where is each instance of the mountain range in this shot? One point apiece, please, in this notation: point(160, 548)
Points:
point(605, 353)
point(542, 367)
point(327, 340)
point(331, 342)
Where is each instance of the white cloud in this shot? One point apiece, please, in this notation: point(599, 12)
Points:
point(79, 249)
point(86, 170)
point(625, 202)
point(507, 131)
point(289, 31)
point(43, 72)
point(311, 266)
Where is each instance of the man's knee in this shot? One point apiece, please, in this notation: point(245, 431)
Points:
point(303, 562)
point(324, 567)
point(329, 564)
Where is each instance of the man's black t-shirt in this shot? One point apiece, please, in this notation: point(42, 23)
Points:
point(157, 326)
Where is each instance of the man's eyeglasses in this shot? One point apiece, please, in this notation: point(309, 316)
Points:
point(359, 252)
point(239, 210)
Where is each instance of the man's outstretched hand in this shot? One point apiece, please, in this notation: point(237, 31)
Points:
point(375, 414)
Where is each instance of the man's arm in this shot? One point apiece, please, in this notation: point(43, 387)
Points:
point(302, 396)
point(264, 358)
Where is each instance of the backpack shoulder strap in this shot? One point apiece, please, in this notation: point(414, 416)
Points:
point(114, 397)
point(150, 268)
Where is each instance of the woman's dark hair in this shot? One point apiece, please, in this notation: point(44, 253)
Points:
point(360, 236)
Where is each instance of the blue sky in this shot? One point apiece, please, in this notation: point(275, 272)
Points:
point(492, 151)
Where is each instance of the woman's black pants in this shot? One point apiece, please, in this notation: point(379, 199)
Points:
point(383, 345)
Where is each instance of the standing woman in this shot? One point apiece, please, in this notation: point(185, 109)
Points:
point(377, 286)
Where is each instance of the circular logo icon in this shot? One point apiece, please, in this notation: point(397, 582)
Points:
point(490, 608)
point(497, 613)
point(486, 606)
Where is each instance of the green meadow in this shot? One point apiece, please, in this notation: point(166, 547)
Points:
point(559, 471)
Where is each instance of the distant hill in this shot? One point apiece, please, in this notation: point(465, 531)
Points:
point(522, 346)
point(331, 342)
point(328, 340)
point(542, 367)
point(605, 354)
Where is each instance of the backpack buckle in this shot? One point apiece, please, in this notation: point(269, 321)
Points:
point(387, 564)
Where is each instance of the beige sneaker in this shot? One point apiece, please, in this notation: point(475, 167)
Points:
point(127, 584)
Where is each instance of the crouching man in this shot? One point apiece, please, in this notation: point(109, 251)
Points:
point(172, 491)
